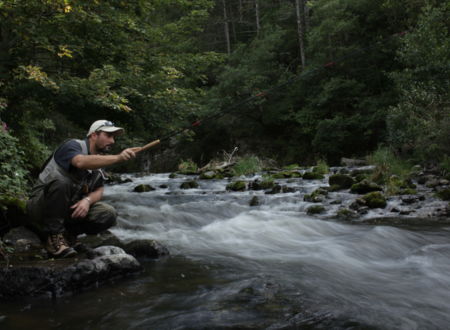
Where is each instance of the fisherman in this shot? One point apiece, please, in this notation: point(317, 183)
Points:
point(65, 201)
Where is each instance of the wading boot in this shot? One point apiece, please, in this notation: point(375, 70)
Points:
point(57, 247)
point(74, 243)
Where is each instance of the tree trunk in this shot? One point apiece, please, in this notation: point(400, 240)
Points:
point(299, 8)
point(258, 26)
point(226, 28)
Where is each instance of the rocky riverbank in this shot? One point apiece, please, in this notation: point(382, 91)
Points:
point(26, 271)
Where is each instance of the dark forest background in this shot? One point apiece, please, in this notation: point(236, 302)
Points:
point(291, 80)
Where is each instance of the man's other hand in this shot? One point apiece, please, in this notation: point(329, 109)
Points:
point(81, 208)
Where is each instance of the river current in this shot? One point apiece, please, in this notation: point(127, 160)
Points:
point(270, 266)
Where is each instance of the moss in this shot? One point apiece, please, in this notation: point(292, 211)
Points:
point(341, 180)
point(211, 175)
point(236, 186)
point(172, 175)
point(187, 167)
point(189, 185)
point(143, 188)
point(374, 200)
point(287, 174)
point(346, 214)
point(407, 191)
point(315, 209)
point(291, 167)
point(316, 196)
point(444, 194)
point(312, 176)
point(364, 187)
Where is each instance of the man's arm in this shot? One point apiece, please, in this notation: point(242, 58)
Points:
point(93, 162)
point(81, 208)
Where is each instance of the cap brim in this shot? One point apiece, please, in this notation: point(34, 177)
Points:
point(112, 129)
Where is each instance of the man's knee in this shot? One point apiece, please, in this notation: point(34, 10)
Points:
point(103, 214)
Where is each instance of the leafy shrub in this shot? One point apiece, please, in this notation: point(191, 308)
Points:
point(321, 167)
point(247, 165)
point(187, 167)
point(387, 164)
point(12, 168)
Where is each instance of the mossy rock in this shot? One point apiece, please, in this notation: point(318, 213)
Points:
point(365, 187)
point(237, 186)
point(346, 214)
point(407, 191)
point(375, 200)
point(287, 175)
point(192, 184)
point(211, 175)
point(312, 176)
point(317, 196)
point(172, 175)
point(342, 181)
point(276, 189)
point(315, 209)
point(261, 185)
point(444, 194)
point(143, 188)
point(360, 177)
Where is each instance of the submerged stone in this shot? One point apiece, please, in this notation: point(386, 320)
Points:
point(146, 248)
point(254, 201)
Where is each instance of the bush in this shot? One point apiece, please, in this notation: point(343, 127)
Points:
point(187, 167)
point(387, 164)
point(247, 165)
point(12, 168)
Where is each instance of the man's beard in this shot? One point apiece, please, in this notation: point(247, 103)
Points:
point(105, 149)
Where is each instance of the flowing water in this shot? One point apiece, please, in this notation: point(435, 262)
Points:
point(270, 266)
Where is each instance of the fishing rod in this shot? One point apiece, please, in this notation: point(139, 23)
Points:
point(237, 105)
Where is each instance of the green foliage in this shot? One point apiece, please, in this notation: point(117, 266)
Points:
point(247, 165)
point(419, 126)
point(321, 167)
point(187, 167)
point(387, 165)
point(12, 168)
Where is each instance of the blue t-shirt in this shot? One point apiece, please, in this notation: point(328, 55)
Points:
point(65, 153)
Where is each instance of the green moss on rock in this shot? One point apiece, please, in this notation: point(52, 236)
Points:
point(341, 181)
point(143, 188)
point(315, 209)
point(444, 194)
point(189, 185)
point(312, 176)
point(237, 186)
point(364, 187)
point(374, 200)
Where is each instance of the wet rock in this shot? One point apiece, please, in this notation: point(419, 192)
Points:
point(236, 186)
point(146, 248)
point(261, 185)
point(444, 182)
point(172, 175)
point(317, 196)
point(117, 179)
point(22, 239)
point(432, 183)
point(315, 209)
point(58, 277)
point(409, 199)
point(286, 189)
point(312, 176)
point(211, 175)
point(163, 186)
point(102, 239)
point(346, 214)
point(254, 201)
point(276, 189)
point(365, 170)
point(143, 188)
point(287, 174)
point(364, 187)
point(374, 200)
point(357, 204)
point(340, 181)
point(192, 184)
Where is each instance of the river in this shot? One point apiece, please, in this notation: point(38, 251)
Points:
point(264, 267)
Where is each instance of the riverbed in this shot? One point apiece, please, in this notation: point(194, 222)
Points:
point(270, 266)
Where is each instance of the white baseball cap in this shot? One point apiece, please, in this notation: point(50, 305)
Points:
point(104, 126)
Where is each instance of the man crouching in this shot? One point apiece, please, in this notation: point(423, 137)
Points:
point(65, 201)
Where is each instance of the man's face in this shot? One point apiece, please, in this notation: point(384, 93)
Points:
point(103, 141)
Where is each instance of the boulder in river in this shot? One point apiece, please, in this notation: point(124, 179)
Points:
point(143, 188)
point(375, 199)
point(365, 187)
point(341, 181)
point(315, 209)
point(236, 186)
point(312, 176)
point(146, 248)
point(192, 184)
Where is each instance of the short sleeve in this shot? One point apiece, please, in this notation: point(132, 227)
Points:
point(64, 155)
